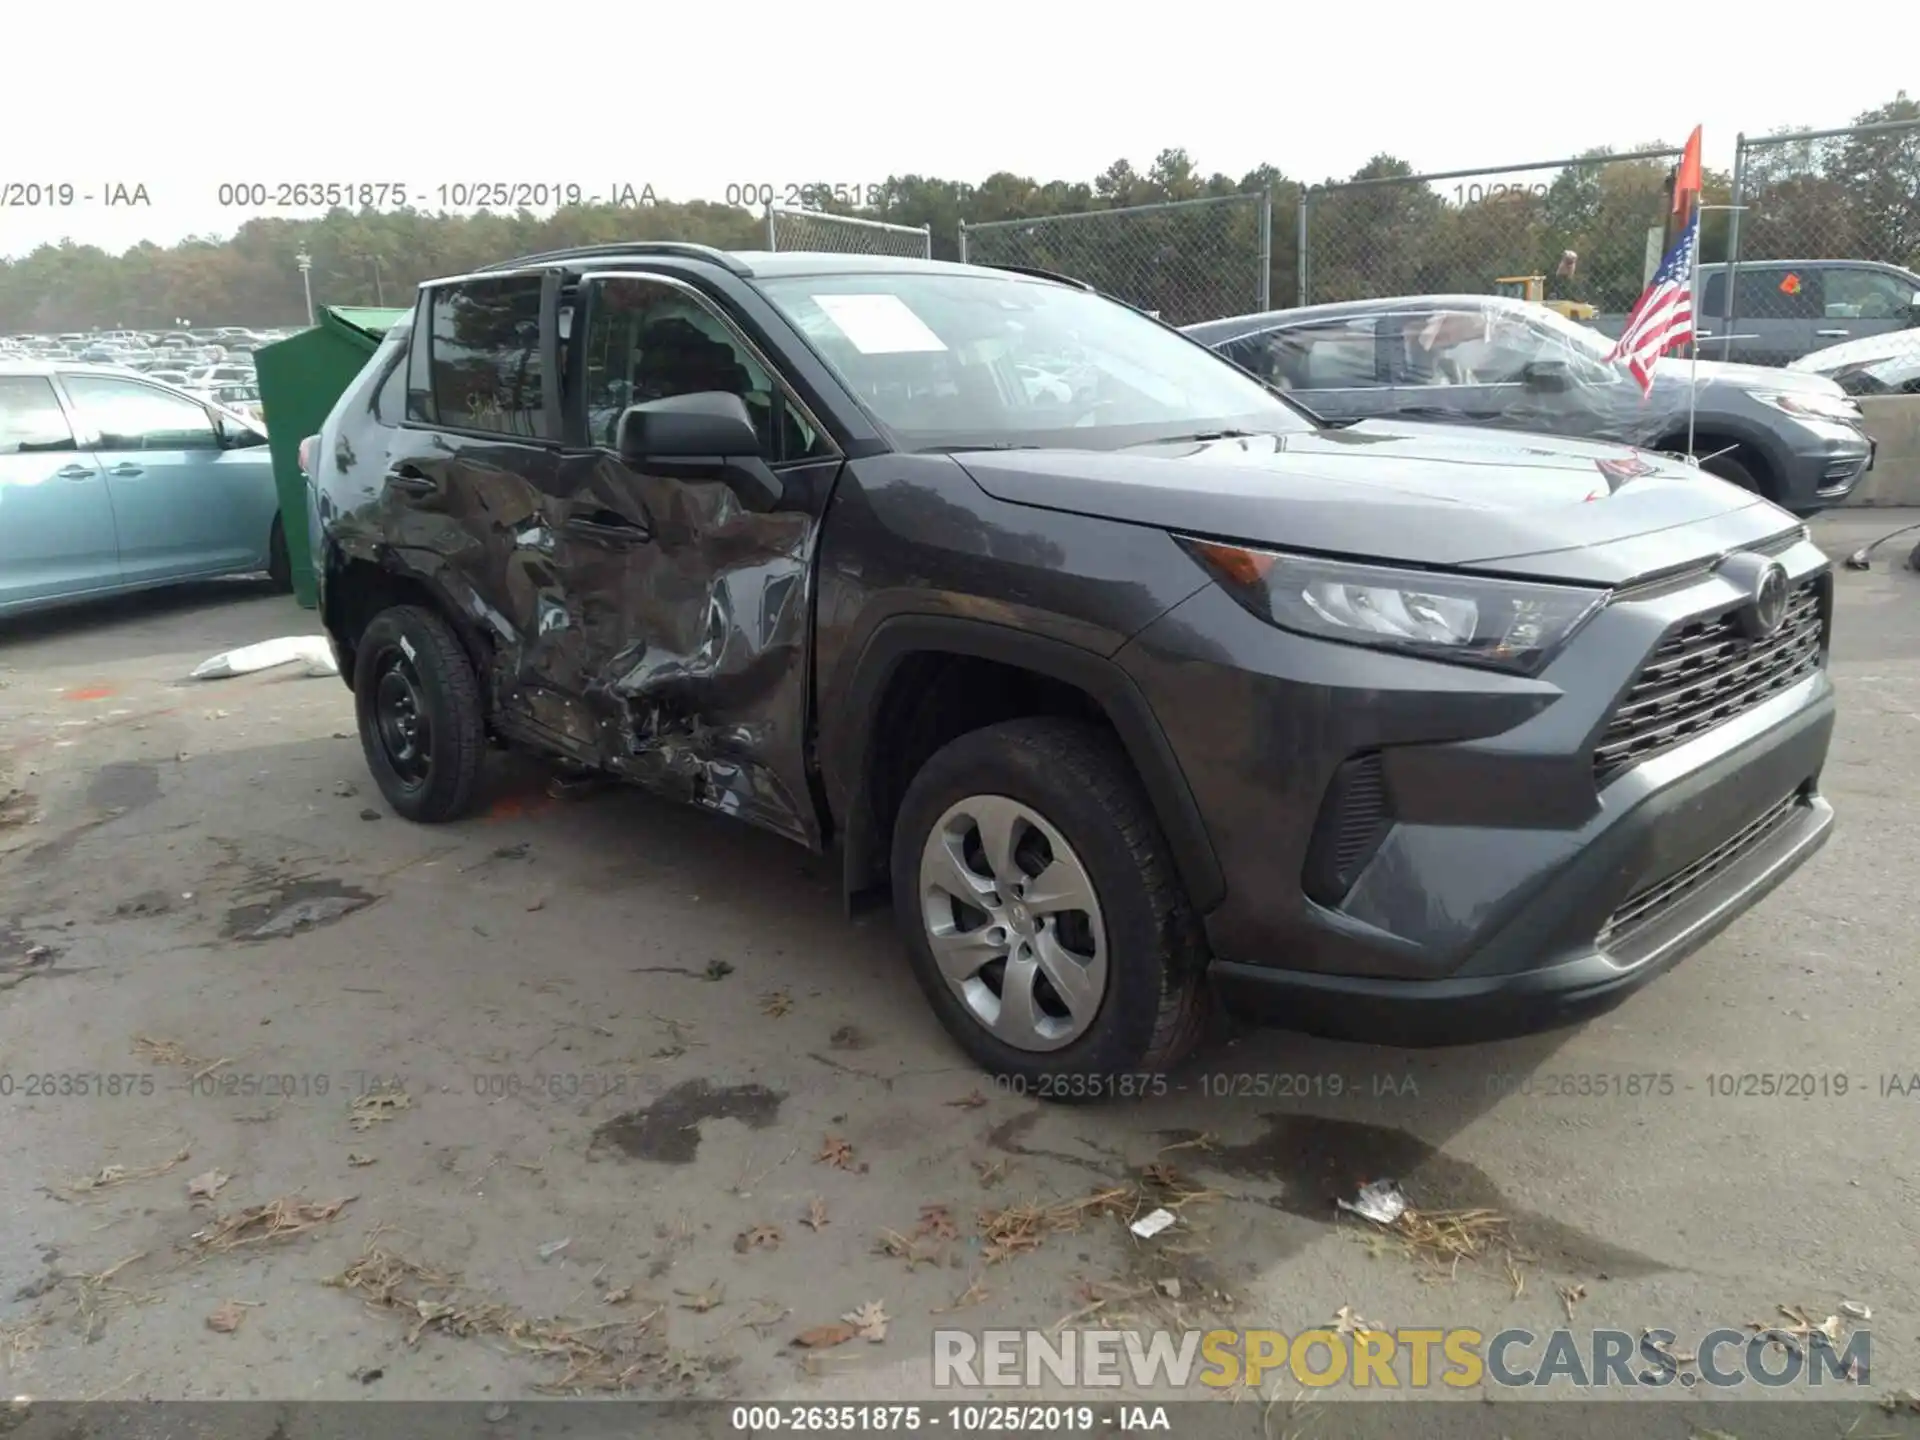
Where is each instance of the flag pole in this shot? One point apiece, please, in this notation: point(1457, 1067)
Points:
point(1693, 348)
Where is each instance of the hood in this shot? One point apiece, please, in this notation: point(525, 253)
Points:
point(1866, 350)
point(1439, 495)
point(1747, 377)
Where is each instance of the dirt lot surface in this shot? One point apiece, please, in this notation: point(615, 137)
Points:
point(302, 1101)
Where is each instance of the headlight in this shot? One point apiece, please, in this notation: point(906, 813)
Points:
point(1511, 625)
point(1813, 407)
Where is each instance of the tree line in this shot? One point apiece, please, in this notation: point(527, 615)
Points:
point(1854, 197)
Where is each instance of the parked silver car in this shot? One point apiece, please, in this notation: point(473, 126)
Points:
point(111, 482)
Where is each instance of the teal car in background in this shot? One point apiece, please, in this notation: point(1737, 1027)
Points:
point(112, 482)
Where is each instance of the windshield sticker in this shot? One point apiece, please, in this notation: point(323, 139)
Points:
point(879, 324)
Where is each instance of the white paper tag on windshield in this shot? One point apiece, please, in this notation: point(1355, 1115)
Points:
point(879, 324)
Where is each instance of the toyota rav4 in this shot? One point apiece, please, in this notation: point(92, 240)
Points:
point(1132, 683)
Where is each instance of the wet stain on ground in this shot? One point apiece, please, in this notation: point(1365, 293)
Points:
point(849, 1037)
point(668, 1130)
point(295, 906)
point(1320, 1160)
point(124, 785)
point(147, 902)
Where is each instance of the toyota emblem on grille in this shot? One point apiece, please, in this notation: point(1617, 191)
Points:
point(1766, 582)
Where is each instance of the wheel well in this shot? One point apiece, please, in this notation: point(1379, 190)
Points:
point(934, 698)
point(1708, 442)
point(358, 590)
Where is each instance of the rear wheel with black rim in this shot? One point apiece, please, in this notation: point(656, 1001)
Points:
point(279, 563)
point(422, 722)
point(1731, 470)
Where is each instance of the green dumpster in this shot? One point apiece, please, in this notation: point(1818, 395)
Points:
point(300, 379)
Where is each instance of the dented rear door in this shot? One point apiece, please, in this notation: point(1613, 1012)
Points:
point(681, 620)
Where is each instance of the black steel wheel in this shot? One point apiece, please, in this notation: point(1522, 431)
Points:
point(422, 722)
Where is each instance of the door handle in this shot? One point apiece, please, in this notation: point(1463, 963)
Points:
point(407, 478)
point(1829, 334)
point(126, 471)
point(76, 472)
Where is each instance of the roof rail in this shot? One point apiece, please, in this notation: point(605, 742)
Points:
point(630, 247)
point(1053, 275)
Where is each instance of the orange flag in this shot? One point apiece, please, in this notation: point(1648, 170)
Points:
point(1686, 179)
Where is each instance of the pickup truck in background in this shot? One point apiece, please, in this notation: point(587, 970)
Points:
point(1784, 309)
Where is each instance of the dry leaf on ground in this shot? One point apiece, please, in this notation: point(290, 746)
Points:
point(226, 1319)
point(1570, 1296)
point(619, 1295)
point(936, 1224)
point(973, 1100)
point(823, 1337)
point(167, 1052)
point(370, 1108)
point(869, 1321)
point(1346, 1322)
point(280, 1219)
point(701, 1301)
point(776, 1003)
point(205, 1187)
point(816, 1216)
point(356, 1159)
point(111, 1175)
point(837, 1151)
point(758, 1237)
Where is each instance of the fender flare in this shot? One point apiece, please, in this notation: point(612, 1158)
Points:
point(852, 752)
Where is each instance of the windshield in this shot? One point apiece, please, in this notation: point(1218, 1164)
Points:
point(952, 361)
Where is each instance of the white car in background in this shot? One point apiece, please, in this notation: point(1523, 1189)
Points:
point(1872, 365)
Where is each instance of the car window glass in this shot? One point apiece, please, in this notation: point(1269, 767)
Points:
point(31, 420)
point(647, 341)
point(1341, 355)
point(1866, 295)
point(1713, 294)
point(1466, 347)
point(127, 415)
point(1779, 293)
point(484, 363)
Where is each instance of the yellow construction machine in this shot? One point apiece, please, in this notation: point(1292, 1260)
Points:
point(1534, 288)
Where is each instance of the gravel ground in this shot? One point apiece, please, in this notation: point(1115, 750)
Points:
point(591, 1090)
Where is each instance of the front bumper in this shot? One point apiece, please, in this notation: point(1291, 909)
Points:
point(1824, 469)
point(1510, 885)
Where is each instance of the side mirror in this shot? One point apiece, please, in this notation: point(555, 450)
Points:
point(1549, 376)
point(706, 433)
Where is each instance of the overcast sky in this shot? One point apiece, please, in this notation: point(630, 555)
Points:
point(690, 99)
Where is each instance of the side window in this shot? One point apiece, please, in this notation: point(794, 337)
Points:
point(31, 420)
point(127, 415)
point(1713, 294)
point(1338, 355)
point(1867, 295)
point(646, 341)
point(1462, 347)
point(1779, 292)
point(483, 356)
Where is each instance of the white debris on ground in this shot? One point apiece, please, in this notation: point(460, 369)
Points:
point(312, 651)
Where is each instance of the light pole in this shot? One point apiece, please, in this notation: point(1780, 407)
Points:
point(305, 262)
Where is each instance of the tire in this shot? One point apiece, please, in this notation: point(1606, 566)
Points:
point(409, 665)
point(1730, 469)
point(1068, 782)
point(279, 563)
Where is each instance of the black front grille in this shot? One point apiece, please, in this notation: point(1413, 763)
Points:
point(1703, 674)
point(1647, 905)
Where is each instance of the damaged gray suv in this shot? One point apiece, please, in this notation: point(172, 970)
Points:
point(1129, 681)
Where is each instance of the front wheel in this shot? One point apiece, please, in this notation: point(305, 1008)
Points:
point(1042, 913)
point(422, 723)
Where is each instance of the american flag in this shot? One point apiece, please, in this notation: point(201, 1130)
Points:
point(1663, 316)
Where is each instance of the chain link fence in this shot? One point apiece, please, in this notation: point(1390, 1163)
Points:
point(1582, 233)
point(1826, 245)
point(820, 230)
point(1184, 260)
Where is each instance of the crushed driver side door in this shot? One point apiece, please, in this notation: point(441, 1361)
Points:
point(682, 620)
